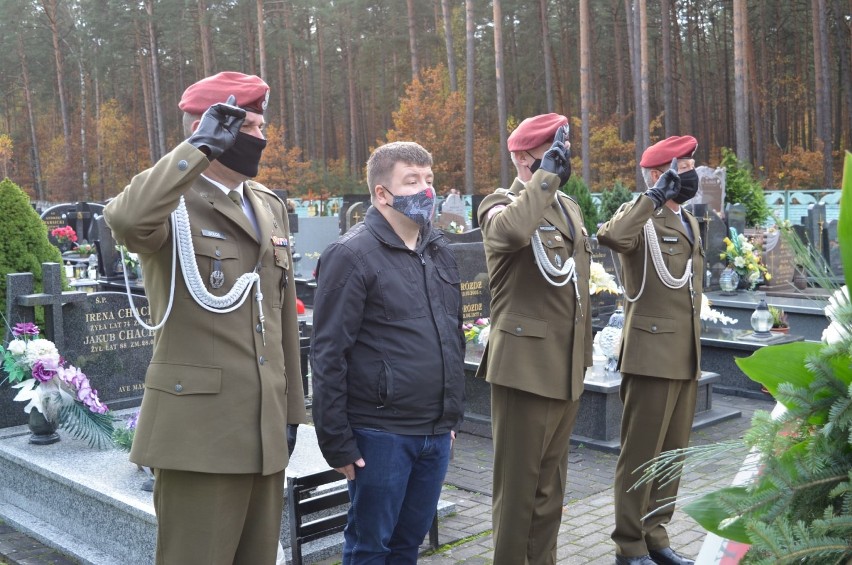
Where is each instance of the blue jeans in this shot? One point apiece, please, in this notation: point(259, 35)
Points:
point(394, 496)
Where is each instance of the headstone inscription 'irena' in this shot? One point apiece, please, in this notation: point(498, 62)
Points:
point(95, 332)
point(103, 339)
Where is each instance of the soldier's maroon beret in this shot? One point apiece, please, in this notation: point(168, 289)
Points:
point(251, 92)
point(661, 153)
point(535, 131)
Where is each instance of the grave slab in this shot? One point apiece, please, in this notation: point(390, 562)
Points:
point(87, 503)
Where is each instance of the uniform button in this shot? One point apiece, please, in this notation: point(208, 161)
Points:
point(544, 186)
point(258, 328)
point(262, 360)
point(550, 242)
point(654, 328)
point(182, 165)
point(218, 253)
point(671, 249)
point(519, 329)
point(178, 387)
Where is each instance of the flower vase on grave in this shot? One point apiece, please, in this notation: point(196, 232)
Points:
point(729, 281)
point(43, 430)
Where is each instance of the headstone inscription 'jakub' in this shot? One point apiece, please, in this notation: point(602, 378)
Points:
point(103, 339)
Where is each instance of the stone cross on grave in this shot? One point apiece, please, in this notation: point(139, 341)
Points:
point(21, 301)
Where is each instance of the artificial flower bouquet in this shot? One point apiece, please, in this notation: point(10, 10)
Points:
point(64, 234)
point(744, 257)
point(60, 391)
point(601, 281)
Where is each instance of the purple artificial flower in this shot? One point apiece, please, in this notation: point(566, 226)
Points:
point(25, 328)
point(133, 421)
point(42, 373)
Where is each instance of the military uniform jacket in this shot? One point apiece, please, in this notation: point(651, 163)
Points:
point(541, 338)
point(216, 398)
point(662, 333)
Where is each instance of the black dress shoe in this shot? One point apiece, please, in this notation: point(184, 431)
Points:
point(642, 560)
point(668, 556)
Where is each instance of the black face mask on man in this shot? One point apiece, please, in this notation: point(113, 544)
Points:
point(244, 156)
point(688, 186)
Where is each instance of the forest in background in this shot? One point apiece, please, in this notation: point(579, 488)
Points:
point(90, 87)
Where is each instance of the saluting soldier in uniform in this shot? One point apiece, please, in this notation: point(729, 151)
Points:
point(538, 257)
point(662, 261)
point(224, 380)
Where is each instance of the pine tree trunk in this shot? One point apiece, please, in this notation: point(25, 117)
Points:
point(261, 39)
point(501, 92)
point(822, 87)
point(448, 41)
point(585, 87)
point(741, 117)
point(470, 59)
point(156, 98)
point(412, 40)
point(545, 48)
point(40, 191)
point(669, 114)
point(208, 60)
point(50, 11)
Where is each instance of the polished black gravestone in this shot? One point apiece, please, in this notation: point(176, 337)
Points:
point(720, 347)
point(598, 423)
point(805, 313)
point(105, 341)
point(603, 304)
point(470, 257)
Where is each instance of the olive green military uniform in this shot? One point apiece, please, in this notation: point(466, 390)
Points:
point(659, 362)
point(539, 346)
point(217, 397)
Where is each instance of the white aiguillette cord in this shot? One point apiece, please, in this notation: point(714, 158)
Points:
point(659, 265)
point(182, 247)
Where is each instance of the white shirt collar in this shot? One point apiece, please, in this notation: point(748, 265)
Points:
point(224, 188)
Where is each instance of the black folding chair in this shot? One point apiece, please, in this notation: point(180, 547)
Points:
point(317, 514)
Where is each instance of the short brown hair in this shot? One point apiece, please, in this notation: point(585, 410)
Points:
point(384, 158)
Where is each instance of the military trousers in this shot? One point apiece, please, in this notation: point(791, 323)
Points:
point(531, 435)
point(217, 519)
point(657, 417)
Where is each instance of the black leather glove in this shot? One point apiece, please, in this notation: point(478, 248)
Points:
point(557, 161)
point(218, 129)
point(292, 430)
point(666, 188)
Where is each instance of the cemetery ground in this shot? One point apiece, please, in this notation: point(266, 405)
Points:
point(465, 535)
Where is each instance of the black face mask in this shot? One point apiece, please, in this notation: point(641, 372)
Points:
point(244, 156)
point(688, 186)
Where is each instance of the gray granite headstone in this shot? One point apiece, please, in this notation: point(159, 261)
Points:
point(711, 188)
point(453, 204)
point(104, 340)
point(21, 302)
point(736, 216)
point(348, 201)
point(780, 261)
point(476, 294)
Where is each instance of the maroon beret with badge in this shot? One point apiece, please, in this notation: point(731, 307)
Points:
point(661, 153)
point(535, 131)
point(251, 92)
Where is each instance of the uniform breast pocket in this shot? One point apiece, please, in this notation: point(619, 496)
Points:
point(403, 296)
point(218, 263)
point(675, 257)
point(555, 246)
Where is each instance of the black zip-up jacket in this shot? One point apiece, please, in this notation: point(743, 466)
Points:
point(388, 349)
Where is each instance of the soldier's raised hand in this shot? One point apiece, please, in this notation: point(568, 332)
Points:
point(218, 128)
point(666, 187)
point(557, 159)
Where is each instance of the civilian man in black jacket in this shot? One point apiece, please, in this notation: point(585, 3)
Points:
point(387, 359)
